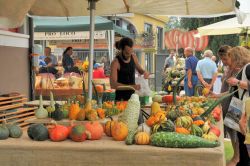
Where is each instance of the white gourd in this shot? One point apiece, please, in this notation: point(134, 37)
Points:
point(130, 116)
point(41, 112)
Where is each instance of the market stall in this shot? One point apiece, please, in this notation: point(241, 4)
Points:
point(102, 152)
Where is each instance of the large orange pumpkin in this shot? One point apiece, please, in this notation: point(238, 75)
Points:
point(169, 98)
point(73, 111)
point(95, 130)
point(58, 133)
point(119, 131)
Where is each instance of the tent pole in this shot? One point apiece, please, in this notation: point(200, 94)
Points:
point(92, 4)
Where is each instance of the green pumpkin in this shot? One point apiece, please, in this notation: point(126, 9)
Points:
point(15, 131)
point(173, 114)
point(196, 130)
point(57, 114)
point(4, 131)
point(38, 132)
point(167, 126)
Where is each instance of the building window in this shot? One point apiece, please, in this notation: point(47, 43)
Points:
point(159, 38)
point(149, 61)
point(148, 28)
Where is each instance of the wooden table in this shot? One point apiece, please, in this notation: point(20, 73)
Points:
point(62, 92)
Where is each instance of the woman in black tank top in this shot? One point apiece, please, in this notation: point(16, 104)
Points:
point(123, 70)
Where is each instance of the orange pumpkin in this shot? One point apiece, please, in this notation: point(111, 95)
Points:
point(81, 115)
point(73, 111)
point(119, 131)
point(181, 130)
point(92, 115)
point(99, 88)
point(108, 127)
point(151, 121)
point(101, 113)
point(199, 122)
point(142, 138)
point(169, 98)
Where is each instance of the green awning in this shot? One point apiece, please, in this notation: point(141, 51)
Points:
point(64, 24)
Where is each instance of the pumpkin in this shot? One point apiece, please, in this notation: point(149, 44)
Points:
point(181, 130)
point(144, 127)
point(108, 127)
point(167, 126)
point(160, 116)
point(95, 130)
point(101, 113)
point(151, 121)
point(142, 138)
point(15, 131)
point(65, 112)
point(184, 121)
point(38, 132)
point(198, 122)
point(92, 115)
point(173, 114)
point(73, 111)
point(41, 112)
point(196, 130)
point(57, 114)
point(88, 105)
point(78, 133)
point(81, 115)
point(58, 133)
point(119, 131)
point(4, 131)
point(99, 88)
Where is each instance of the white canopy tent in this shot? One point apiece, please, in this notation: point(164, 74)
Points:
point(229, 26)
point(13, 12)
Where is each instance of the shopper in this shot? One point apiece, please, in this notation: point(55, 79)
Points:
point(191, 79)
point(123, 69)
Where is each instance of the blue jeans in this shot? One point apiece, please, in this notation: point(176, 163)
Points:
point(190, 91)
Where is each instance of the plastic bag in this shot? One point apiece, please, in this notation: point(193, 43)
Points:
point(145, 90)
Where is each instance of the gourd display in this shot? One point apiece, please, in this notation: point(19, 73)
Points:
point(196, 130)
point(130, 117)
point(142, 138)
point(176, 140)
point(4, 131)
point(15, 131)
point(38, 132)
point(95, 130)
point(41, 112)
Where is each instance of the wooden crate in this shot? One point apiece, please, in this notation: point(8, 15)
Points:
point(12, 109)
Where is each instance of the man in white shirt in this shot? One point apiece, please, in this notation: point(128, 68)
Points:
point(170, 60)
point(207, 70)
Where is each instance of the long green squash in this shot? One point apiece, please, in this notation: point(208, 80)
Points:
point(176, 88)
point(216, 102)
point(176, 140)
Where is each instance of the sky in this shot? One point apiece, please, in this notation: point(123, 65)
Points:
point(245, 5)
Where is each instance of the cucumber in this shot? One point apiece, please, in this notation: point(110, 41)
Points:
point(176, 140)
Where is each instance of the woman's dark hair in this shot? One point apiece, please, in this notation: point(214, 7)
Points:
point(67, 49)
point(125, 42)
point(223, 50)
point(117, 43)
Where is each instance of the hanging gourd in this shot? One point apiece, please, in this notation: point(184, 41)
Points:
point(41, 112)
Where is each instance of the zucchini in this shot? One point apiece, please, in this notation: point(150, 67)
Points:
point(176, 140)
point(216, 102)
point(176, 88)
